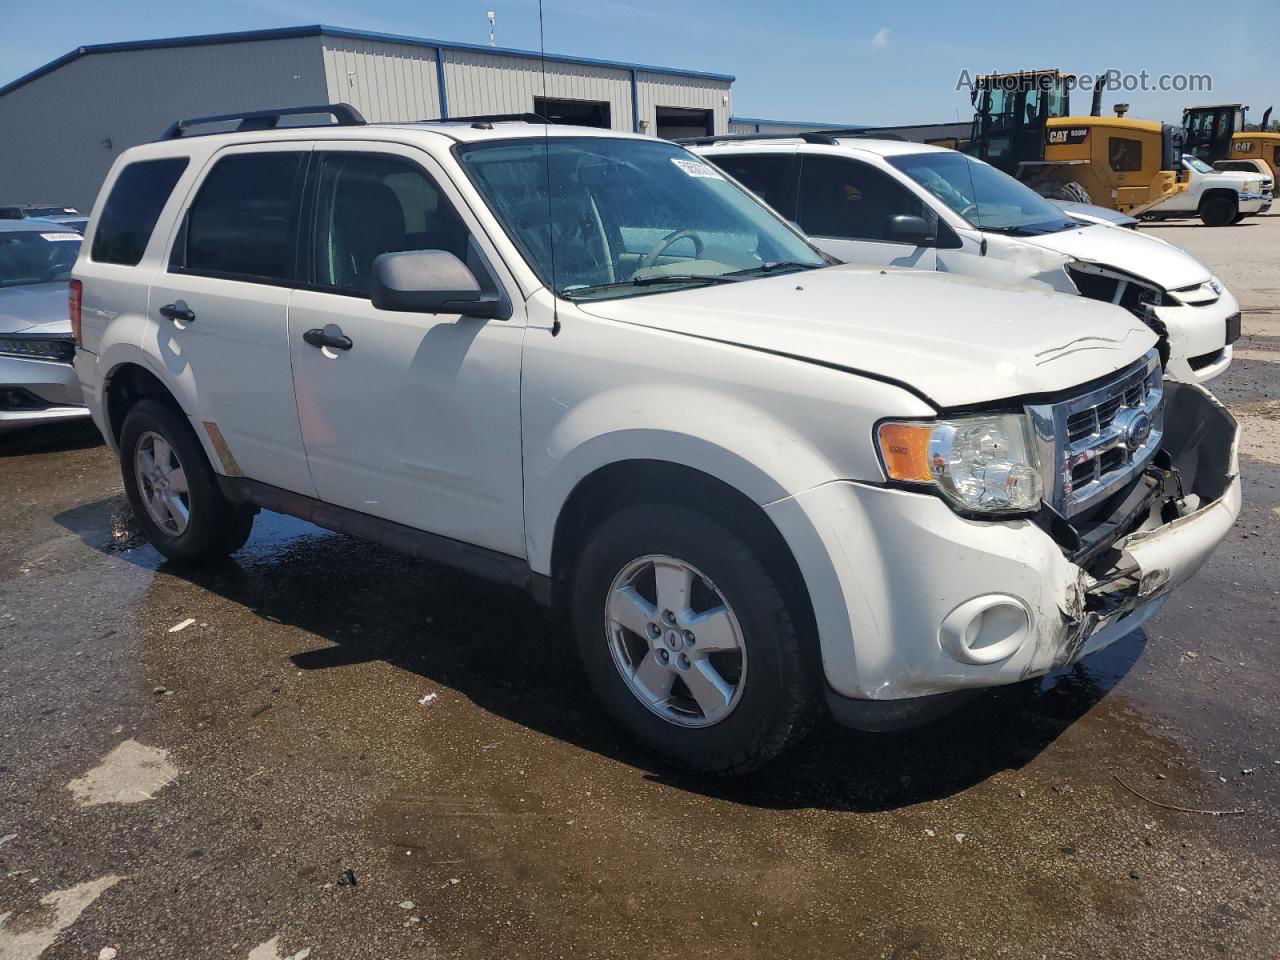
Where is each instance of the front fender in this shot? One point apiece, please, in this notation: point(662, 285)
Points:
point(750, 449)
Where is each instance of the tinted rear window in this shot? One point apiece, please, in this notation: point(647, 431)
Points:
point(132, 209)
point(242, 221)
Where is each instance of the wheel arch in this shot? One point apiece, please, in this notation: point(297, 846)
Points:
point(126, 384)
point(1219, 193)
point(612, 486)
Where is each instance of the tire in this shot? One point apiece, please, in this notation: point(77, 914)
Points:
point(214, 527)
point(1217, 212)
point(775, 688)
point(1238, 217)
point(1058, 190)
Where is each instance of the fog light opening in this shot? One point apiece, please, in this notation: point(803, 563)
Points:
point(985, 629)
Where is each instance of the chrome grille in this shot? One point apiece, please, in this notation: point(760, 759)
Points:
point(1093, 444)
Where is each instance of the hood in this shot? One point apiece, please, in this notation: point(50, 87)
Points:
point(957, 341)
point(38, 308)
point(1128, 251)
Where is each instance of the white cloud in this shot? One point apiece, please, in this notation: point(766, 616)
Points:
point(881, 39)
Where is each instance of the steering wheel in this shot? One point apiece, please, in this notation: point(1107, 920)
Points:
point(661, 246)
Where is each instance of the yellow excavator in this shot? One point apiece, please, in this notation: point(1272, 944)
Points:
point(1022, 124)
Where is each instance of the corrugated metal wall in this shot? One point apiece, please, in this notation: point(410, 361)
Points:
point(669, 90)
point(384, 81)
point(54, 126)
point(764, 126)
point(480, 83)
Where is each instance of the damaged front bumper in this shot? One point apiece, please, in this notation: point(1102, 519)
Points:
point(912, 600)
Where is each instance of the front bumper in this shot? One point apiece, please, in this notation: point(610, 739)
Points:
point(889, 570)
point(1197, 336)
point(38, 392)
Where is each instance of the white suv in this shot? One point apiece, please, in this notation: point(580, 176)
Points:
point(588, 364)
point(908, 204)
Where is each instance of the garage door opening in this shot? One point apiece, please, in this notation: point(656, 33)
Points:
point(676, 122)
point(581, 113)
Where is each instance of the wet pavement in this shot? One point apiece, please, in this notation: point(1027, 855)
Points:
point(212, 790)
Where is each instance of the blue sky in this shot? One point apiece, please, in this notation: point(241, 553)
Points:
point(870, 61)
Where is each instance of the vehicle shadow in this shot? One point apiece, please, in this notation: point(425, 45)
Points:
point(51, 438)
point(511, 657)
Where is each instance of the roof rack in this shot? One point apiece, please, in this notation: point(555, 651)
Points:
point(345, 115)
point(487, 120)
point(824, 138)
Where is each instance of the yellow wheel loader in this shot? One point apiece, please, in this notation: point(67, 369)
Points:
point(1023, 125)
point(1217, 135)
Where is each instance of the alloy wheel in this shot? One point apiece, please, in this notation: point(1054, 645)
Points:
point(675, 641)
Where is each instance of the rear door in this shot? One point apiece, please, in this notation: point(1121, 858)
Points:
point(219, 310)
point(419, 420)
point(846, 206)
point(769, 174)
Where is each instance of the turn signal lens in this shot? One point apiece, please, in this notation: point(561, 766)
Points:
point(905, 448)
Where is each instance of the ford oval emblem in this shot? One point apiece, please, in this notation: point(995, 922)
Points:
point(1137, 431)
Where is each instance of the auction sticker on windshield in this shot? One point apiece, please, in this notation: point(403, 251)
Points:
point(695, 169)
point(61, 236)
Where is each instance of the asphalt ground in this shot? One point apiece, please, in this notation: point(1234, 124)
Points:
point(336, 713)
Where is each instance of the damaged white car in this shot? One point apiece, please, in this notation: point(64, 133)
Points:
point(756, 484)
point(905, 204)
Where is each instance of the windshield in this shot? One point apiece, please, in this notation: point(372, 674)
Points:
point(1195, 163)
point(627, 217)
point(987, 198)
point(36, 257)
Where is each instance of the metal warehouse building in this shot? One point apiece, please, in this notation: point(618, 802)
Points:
point(67, 121)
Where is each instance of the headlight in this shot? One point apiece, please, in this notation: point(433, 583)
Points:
point(38, 348)
point(987, 464)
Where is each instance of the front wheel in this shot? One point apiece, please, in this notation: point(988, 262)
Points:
point(173, 489)
point(690, 641)
point(1217, 212)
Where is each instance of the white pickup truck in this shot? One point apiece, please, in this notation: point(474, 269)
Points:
point(756, 485)
point(1217, 197)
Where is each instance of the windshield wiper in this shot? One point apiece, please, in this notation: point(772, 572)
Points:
point(773, 266)
point(649, 281)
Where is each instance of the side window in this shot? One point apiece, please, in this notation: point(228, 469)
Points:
point(848, 200)
point(242, 221)
point(10, 213)
point(764, 174)
point(131, 211)
point(1126, 155)
point(368, 205)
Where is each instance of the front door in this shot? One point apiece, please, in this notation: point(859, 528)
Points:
point(846, 207)
point(219, 311)
point(418, 421)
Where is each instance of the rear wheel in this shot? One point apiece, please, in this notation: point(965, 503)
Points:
point(173, 489)
point(689, 640)
point(1238, 217)
point(1217, 212)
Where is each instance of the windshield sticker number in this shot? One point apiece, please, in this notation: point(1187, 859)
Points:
point(62, 236)
point(696, 169)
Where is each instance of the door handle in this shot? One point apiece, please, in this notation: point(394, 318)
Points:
point(178, 312)
point(331, 336)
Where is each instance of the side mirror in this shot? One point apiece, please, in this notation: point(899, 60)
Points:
point(432, 281)
point(906, 228)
